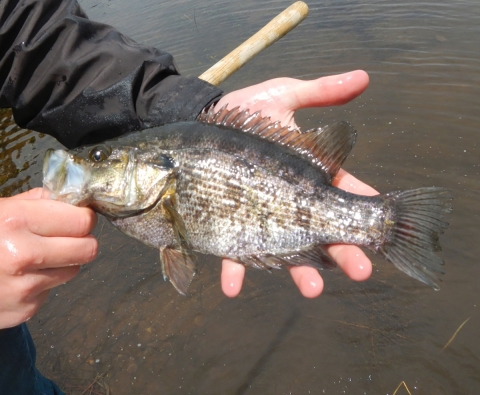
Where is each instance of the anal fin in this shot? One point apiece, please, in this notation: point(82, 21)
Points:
point(314, 257)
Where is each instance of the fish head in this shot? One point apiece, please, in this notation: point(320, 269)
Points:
point(115, 181)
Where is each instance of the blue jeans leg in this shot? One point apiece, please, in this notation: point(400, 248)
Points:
point(18, 374)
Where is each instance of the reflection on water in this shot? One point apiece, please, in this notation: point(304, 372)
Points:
point(21, 156)
point(120, 324)
point(13, 141)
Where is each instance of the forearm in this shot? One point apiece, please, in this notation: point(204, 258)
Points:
point(81, 81)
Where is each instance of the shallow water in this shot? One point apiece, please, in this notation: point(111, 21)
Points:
point(418, 125)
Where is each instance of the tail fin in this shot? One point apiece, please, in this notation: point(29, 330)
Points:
point(418, 222)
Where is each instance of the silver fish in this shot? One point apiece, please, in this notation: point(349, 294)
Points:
point(237, 185)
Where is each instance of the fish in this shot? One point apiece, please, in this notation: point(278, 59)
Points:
point(239, 186)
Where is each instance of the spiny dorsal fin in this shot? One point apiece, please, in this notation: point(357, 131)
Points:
point(326, 148)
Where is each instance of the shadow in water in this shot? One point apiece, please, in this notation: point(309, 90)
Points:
point(286, 328)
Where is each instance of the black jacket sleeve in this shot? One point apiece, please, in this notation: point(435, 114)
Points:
point(82, 81)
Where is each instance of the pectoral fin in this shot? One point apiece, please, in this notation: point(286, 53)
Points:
point(178, 226)
point(177, 264)
point(178, 267)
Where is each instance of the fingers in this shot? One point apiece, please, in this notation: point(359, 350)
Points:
point(349, 183)
point(47, 217)
point(232, 277)
point(279, 98)
point(328, 91)
point(42, 244)
point(13, 315)
point(42, 280)
point(352, 260)
point(81, 222)
point(35, 193)
point(26, 254)
point(308, 280)
point(28, 292)
point(68, 251)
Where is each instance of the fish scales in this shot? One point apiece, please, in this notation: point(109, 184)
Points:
point(263, 213)
point(236, 185)
point(262, 153)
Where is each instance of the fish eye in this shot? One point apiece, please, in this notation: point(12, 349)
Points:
point(99, 153)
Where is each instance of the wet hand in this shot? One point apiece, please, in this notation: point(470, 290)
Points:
point(42, 245)
point(280, 98)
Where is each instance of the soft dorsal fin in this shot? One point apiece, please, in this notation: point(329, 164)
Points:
point(326, 148)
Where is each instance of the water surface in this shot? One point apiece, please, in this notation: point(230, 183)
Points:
point(418, 125)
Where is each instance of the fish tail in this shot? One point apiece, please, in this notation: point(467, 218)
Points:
point(414, 237)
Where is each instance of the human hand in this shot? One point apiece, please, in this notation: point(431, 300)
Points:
point(280, 98)
point(42, 245)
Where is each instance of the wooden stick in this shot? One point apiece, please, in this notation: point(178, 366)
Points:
point(273, 31)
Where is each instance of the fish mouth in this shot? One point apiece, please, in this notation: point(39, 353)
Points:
point(64, 177)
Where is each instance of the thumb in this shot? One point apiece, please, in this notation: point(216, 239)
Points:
point(328, 91)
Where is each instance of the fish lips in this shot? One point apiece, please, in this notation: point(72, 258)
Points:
point(65, 178)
